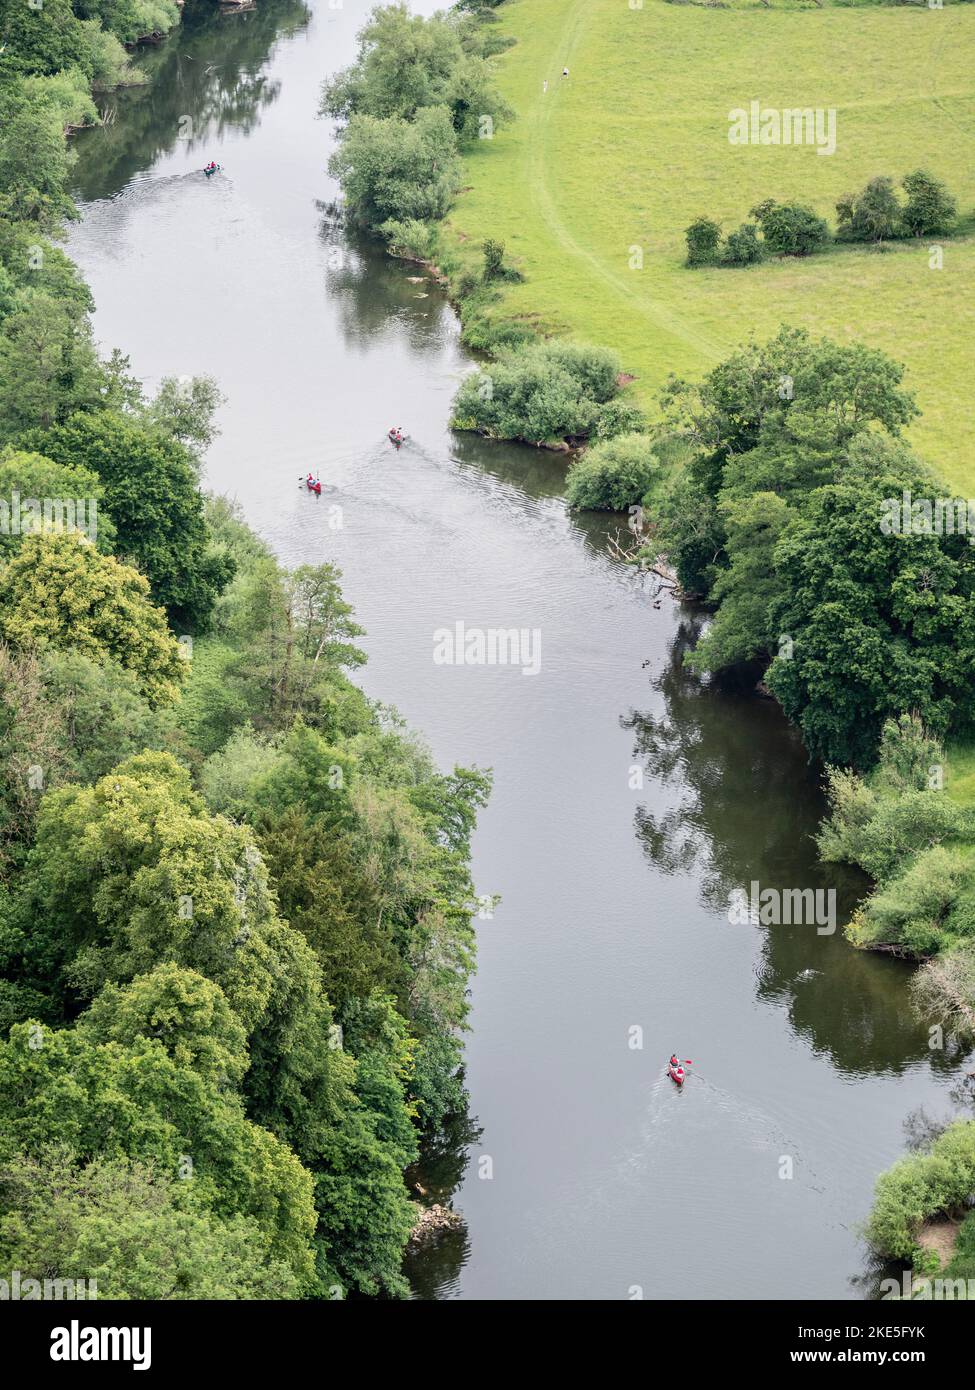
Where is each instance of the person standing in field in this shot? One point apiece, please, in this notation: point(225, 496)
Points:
point(545, 85)
point(565, 72)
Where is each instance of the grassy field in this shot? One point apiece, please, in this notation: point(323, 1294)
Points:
point(634, 145)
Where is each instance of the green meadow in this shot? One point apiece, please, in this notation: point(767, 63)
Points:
point(612, 164)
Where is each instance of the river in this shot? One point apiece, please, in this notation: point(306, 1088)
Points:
point(585, 1173)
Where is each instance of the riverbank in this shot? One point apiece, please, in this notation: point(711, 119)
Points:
point(592, 186)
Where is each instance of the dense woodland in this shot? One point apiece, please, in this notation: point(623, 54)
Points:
point(235, 905)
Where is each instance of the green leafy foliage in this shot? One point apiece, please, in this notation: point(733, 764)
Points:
point(59, 592)
point(874, 214)
point(129, 1230)
point(791, 229)
point(396, 170)
point(408, 64)
point(921, 1186)
point(703, 237)
point(150, 488)
point(541, 392)
point(613, 474)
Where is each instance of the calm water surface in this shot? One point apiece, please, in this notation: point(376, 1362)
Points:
point(586, 1174)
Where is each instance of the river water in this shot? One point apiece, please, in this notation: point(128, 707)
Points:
point(629, 799)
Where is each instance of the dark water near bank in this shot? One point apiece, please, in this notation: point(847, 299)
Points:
point(591, 1175)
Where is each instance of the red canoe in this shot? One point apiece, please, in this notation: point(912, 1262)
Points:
point(676, 1074)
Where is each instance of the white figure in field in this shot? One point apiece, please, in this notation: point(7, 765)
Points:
point(565, 72)
point(545, 85)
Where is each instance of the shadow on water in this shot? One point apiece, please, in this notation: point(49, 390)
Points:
point(194, 92)
point(746, 807)
point(434, 1267)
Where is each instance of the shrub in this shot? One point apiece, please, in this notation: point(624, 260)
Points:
point(930, 208)
point(396, 170)
point(742, 247)
point(702, 239)
point(915, 910)
point(618, 416)
point(921, 1186)
point(538, 392)
point(907, 755)
point(414, 239)
point(791, 229)
point(493, 260)
point(614, 474)
point(873, 214)
point(944, 989)
point(879, 832)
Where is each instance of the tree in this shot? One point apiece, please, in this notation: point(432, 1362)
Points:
point(181, 1009)
point(791, 229)
point(874, 214)
point(395, 170)
point(58, 591)
point(407, 63)
point(295, 633)
point(134, 871)
point(878, 623)
point(742, 247)
point(137, 1103)
point(152, 495)
point(45, 39)
point(778, 417)
point(74, 496)
point(613, 474)
point(930, 209)
point(184, 410)
point(129, 1232)
point(324, 895)
point(64, 718)
point(787, 388)
point(34, 164)
point(702, 237)
point(747, 589)
point(48, 366)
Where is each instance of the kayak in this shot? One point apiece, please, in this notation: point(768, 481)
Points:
point(397, 439)
point(313, 487)
point(676, 1074)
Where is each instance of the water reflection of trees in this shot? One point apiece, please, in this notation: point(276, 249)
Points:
point(374, 293)
point(743, 804)
point(208, 77)
point(433, 1268)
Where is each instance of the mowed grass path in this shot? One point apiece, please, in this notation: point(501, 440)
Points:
point(634, 146)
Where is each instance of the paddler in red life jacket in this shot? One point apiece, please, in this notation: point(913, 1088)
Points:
point(675, 1061)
